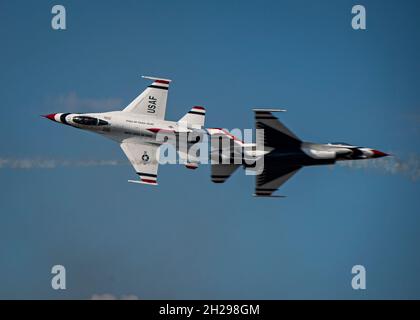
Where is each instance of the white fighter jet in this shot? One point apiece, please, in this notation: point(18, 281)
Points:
point(136, 127)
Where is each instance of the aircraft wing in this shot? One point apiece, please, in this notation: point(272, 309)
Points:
point(152, 101)
point(276, 134)
point(144, 158)
point(272, 178)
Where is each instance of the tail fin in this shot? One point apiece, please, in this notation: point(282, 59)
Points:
point(195, 117)
point(152, 101)
point(276, 134)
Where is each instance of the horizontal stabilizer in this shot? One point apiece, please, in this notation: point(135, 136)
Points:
point(191, 165)
point(221, 172)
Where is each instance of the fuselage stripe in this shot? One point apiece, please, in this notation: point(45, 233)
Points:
point(149, 181)
point(158, 87)
point(198, 113)
point(63, 118)
point(265, 118)
point(147, 174)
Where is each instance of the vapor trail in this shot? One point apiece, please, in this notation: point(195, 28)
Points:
point(39, 163)
point(409, 167)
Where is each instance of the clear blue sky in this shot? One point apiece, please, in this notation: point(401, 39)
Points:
point(190, 238)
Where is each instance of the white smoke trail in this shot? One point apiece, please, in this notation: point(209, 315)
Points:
point(39, 163)
point(409, 167)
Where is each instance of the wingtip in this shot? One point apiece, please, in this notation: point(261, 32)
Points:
point(156, 78)
point(143, 182)
point(268, 110)
point(268, 196)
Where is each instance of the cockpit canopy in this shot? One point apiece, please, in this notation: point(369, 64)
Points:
point(89, 121)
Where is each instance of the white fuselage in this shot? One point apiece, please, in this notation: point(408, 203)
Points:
point(120, 126)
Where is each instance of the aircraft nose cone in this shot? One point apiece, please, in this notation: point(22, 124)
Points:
point(379, 154)
point(50, 116)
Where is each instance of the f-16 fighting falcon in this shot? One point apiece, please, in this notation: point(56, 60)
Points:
point(282, 152)
point(136, 127)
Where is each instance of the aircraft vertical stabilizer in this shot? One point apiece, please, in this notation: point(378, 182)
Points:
point(194, 118)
